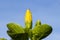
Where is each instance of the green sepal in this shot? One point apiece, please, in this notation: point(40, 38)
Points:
point(28, 25)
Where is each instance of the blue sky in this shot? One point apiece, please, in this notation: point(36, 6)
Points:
point(48, 11)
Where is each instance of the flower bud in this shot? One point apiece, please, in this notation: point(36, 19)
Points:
point(28, 19)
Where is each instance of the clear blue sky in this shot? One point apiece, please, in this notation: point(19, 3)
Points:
point(48, 11)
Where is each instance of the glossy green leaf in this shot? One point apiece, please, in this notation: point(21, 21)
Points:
point(15, 28)
point(42, 31)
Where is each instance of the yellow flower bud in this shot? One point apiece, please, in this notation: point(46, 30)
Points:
point(28, 19)
point(28, 16)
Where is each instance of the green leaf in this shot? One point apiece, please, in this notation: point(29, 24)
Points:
point(42, 31)
point(18, 36)
point(38, 22)
point(3, 39)
point(15, 28)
